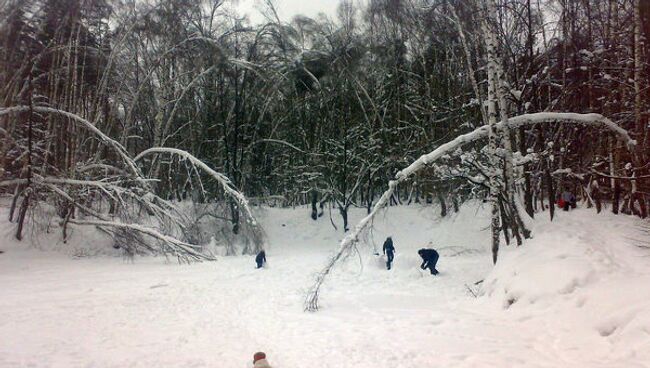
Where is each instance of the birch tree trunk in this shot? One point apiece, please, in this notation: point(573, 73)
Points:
point(492, 140)
point(502, 91)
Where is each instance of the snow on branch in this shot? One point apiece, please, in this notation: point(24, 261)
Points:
point(105, 167)
point(514, 122)
point(352, 238)
point(84, 123)
point(102, 185)
point(10, 182)
point(67, 197)
point(167, 215)
point(573, 118)
point(181, 249)
point(225, 183)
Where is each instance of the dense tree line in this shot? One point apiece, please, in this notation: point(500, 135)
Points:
point(322, 111)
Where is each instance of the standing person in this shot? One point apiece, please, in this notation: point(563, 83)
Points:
point(259, 360)
point(389, 251)
point(429, 259)
point(260, 259)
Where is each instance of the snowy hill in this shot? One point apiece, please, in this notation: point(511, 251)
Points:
point(585, 281)
point(577, 295)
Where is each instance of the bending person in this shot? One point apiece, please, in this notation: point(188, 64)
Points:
point(429, 259)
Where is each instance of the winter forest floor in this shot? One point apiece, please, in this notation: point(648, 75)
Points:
point(577, 295)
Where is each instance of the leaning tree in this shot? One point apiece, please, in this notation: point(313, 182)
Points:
point(348, 243)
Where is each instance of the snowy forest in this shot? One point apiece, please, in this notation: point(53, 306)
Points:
point(98, 98)
point(166, 125)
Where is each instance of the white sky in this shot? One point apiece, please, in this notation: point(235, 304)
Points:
point(288, 8)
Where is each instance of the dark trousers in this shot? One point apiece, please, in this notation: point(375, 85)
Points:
point(431, 268)
point(259, 264)
point(431, 265)
point(390, 256)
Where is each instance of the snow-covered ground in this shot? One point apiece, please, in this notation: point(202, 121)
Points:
point(577, 295)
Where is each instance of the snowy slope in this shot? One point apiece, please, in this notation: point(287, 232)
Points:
point(580, 290)
point(586, 279)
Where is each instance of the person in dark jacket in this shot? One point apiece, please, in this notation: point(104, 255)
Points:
point(260, 259)
point(389, 251)
point(429, 259)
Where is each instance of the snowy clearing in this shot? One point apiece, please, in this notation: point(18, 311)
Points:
point(577, 295)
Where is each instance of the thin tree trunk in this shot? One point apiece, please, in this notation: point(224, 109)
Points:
point(22, 214)
point(551, 190)
point(528, 195)
point(14, 201)
point(443, 204)
point(314, 209)
point(234, 217)
point(492, 142)
point(617, 197)
point(504, 222)
point(343, 210)
point(28, 189)
point(612, 172)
